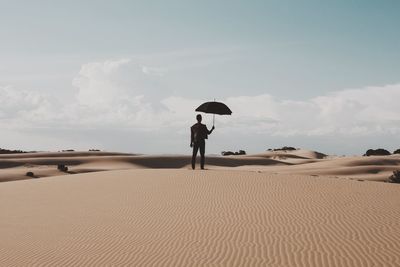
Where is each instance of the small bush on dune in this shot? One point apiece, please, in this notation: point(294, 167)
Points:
point(241, 152)
point(377, 152)
point(285, 148)
point(7, 151)
point(395, 177)
point(289, 148)
point(30, 174)
point(397, 151)
point(62, 167)
point(230, 153)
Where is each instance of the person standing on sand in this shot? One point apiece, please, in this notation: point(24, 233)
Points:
point(198, 135)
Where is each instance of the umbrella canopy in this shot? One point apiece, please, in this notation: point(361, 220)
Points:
point(214, 108)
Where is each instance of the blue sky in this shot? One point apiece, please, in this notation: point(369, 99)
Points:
point(70, 60)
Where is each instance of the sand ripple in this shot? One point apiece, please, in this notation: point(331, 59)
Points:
point(198, 218)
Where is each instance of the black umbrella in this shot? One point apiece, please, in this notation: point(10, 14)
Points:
point(214, 108)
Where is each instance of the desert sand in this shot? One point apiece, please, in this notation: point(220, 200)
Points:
point(304, 162)
point(297, 208)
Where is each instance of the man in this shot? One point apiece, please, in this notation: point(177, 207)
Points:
point(198, 134)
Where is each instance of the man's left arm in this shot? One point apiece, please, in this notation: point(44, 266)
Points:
point(191, 137)
point(212, 129)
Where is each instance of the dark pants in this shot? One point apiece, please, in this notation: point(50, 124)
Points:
point(196, 146)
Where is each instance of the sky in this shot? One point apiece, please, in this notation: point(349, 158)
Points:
point(128, 75)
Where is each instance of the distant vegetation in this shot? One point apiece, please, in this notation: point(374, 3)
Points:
point(377, 152)
point(94, 150)
point(68, 150)
point(285, 148)
point(230, 153)
point(395, 177)
point(397, 151)
point(62, 167)
point(6, 151)
point(30, 174)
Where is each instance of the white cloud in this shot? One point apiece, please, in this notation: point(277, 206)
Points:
point(124, 95)
point(23, 108)
point(13, 101)
point(106, 83)
point(154, 71)
point(117, 82)
point(369, 110)
point(364, 111)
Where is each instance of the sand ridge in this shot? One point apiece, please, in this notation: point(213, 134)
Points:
point(15, 167)
point(164, 217)
point(303, 162)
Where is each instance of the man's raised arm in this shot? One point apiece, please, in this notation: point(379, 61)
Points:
point(191, 137)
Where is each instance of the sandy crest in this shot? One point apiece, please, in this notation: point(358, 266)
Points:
point(198, 218)
point(301, 162)
point(15, 166)
point(374, 168)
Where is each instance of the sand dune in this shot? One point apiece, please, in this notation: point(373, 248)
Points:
point(45, 164)
point(198, 218)
point(61, 154)
point(296, 154)
point(377, 168)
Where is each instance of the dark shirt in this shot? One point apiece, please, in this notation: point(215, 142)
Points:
point(199, 132)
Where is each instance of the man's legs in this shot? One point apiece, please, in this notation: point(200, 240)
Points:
point(195, 149)
point(202, 151)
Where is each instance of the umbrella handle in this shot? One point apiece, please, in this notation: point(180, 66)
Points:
point(213, 120)
point(214, 117)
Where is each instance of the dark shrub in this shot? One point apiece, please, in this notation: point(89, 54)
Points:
point(377, 152)
point(7, 151)
point(62, 167)
point(395, 177)
point(397, 151)
point(94, 150)
point(289, 148)
point(30, 174)
point(230, 153)
point(242, 152)
point(285, 148)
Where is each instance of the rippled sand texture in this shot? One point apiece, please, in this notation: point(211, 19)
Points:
point(198, 218)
